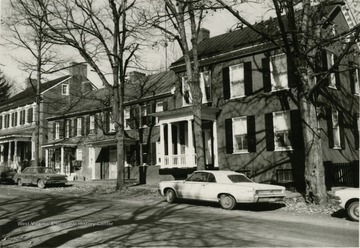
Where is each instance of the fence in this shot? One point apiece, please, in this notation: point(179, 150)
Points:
point(341, 174)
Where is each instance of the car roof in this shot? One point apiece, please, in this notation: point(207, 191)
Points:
point(220, 172)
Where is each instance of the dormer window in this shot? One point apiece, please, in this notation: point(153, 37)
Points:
point(65, 89)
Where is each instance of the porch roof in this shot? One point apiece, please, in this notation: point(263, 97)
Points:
point(61, 143)
point(15, 137)
point(206, 112)
point(110, 142)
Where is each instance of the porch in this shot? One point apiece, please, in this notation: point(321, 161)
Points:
point(16, 151)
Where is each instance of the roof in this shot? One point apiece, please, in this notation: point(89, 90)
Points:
point(245, 38)
point(28, 95)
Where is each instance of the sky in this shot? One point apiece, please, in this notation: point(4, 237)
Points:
point(218, 23)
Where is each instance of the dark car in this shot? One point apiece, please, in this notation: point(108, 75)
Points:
point(40, 176)
point(7, 174)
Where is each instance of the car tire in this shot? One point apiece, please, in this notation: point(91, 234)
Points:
point(19, 182)
point(353, 211)
point(227, 202)
point(170, 196)
point(40, 184)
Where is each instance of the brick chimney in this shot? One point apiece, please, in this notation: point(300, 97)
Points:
point(136, 76)
point(86, 86)
point(203, 34)
point(30, 83)
point(78, 69)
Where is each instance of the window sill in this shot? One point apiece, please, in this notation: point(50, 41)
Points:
point(283, 149)
point(241, 152)
point(277, 90)
point(237, 97)
point(337, 148)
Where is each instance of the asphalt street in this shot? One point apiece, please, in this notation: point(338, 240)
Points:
point(39, 219)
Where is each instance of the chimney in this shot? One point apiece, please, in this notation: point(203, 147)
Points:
point(86, 86)
point(136, 76)
point(30, 83)
point(203, 34)
point(78, 69)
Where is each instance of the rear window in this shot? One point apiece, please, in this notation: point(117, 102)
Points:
point(236, 178)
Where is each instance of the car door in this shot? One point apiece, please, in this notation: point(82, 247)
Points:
point(209, 189)
point(192, 187)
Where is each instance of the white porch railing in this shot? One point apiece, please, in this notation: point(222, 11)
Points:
point(179, 161)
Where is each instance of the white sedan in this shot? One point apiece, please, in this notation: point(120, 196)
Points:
point(226, 187)
point(348, 199)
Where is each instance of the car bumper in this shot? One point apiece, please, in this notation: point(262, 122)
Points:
point(270, 199)
point(55, 181)
point(335, 198)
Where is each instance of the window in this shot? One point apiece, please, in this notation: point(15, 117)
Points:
point(79, 154)
point(7, 120)
point(330, 62)
point(279, 72)
point(67, 129)
point(65, 89)
point(14, 119)
point(336, 129)
point(30, 115)
point(127, 118)
point(284, 176)
point(205, 84)
point(22, 117)
point(57, 130)
point(143, 115)
point(78, 126)
point(354, 79)
point(282, 130)
point(187, 98)
point(92, 124)
point(240, 134)
point(237, 88)
point(159, 107)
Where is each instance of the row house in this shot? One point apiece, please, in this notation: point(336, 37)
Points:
point(250, 116)
point(18, 115)
point(82, 140)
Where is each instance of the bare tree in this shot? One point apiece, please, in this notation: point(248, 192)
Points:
point(5, 87)
point(303, 37)
point(105, 35)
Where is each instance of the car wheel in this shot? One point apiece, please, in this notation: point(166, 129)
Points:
point(170, 196)
point(353, 211)
point(19, 182)
point(227, 202)
point(40, 184)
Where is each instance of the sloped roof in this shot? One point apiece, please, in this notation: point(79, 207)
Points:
point(28, 95)
point(246, 37)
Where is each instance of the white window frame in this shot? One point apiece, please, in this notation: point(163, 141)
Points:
point(332, 77)
point(205, 77)
point(282, 132)
point(79, 154)
point(242, 133)
point(65, 89)
point(78, 126)
point(336, 129)
point(92, 124)
point(185, 85)
point(281, 77)
point(239, 83)
point(57, 130)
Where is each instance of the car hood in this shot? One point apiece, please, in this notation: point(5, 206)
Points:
point(260, 186)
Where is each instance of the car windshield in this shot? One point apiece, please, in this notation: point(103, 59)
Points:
point(45, 170)
point(238, 178)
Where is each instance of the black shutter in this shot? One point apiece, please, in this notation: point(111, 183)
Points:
point(75, 127)
point(251, 133)
point(229, 136)
point(30, 115)
point(82, 126)
point(337, 73)
point(341, 127)
point(291, 73)
point(269, 129)
point(165, 105)
point(70, 128)
point(266, 74)
point(297, 141)
point(87, 123)
point(356, 131)
point(226, 82)
point(1, 121)
point(352, 76)
point(248, 78)
point(54, 130)
point(330, 127)
point(61, 129)
point(106, 122)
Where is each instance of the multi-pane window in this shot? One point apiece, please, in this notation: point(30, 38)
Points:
point(187, 98)
point(240, 139)
point(14, 119)
point(78, 127)
point(205, 84)
point(159, 107)
point(237, 87)
point(22, 117)
point(336, 129)
point(330, 62)
point(65, 89)
point(7, 120)
point(143, 115)
point(92, 124)
point(67, 129)
point(282, 130)
point(30, 115)
point(57, 130)
point(126, 117)
point(279, 72)
point(284, 176)
point(354, 79)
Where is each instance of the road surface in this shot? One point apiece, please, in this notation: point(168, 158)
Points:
point(32, 218)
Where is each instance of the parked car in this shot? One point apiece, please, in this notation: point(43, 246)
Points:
point(348, 199)
point(7, 174)
point(40, 176)
point(226, 187)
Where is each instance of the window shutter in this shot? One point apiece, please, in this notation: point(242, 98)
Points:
point(324, 65)
point(248, 78)
point(297, 141)
point(291, 73)
point(96, 124)
point(251, 133)
point(75, 127)
point(356, 131)
point(82, 126)
point(269, 128)
point(150, 108)
point(229, 136)
point(337, 73)
point(341, 126)
point(87, 122)
point(352, 76)
point(330, 127)
point(106, 121)
point(226, 82)
point(54, 130)
point(70, 127)
point(61, 129)
point(1, 121)
point(266, 74)
point(165, 105)
point(30, 115)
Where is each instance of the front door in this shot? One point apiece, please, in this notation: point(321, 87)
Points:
point(208, 148)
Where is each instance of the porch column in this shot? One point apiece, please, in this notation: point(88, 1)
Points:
point(15, 152)
point(1, 153)
point(92, 162)
point(62, 160)
point(215, 145)
point(191, 155)
point(162, 146)
point(9, 153)
point(170, 148)
point(32, 150)
point(46, 157)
